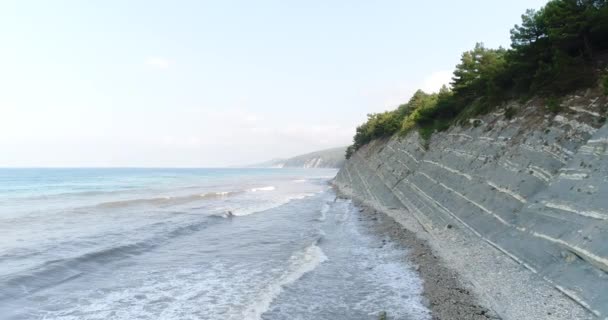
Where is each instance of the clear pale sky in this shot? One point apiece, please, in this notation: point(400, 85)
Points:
point(202, 83)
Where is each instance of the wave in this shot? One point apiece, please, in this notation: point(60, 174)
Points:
point(269, 188)
point(177, 200)
point(168, 200)
point(267, 206)
point(300, 263)
point(61, 195)
point(324, 211)
point(55, 272)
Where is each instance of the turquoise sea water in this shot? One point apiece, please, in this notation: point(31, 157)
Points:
point(192, 244)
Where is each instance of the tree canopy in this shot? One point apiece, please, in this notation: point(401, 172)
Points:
point(553, 52)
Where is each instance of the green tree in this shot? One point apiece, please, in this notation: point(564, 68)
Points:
point(553, 51)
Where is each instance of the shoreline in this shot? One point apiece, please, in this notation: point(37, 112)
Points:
point(465, 278)
point(445, 296)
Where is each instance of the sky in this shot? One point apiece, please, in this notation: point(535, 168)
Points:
point(219, 83)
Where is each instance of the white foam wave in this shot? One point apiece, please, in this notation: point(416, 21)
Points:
point(269, 188)
point(166, 201)
point(325, 208)
point(302, 196)
point(268, 205)
point(345, 214)
point(300, 264)
point(324, 211)
point(222, 214)
point(299, 180)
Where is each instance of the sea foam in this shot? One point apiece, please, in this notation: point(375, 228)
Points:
point(269, 188)
point(300, 263)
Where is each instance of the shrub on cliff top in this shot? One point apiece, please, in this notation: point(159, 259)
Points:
point(349, 152)
point(553, 105)
point(378, 125)
point(510, 113)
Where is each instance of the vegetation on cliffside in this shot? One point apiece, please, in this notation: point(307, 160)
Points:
point(553, 52)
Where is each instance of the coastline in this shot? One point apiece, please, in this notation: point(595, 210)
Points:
point(444, 295)
point(465, 278)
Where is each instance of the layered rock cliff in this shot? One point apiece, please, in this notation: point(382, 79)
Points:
point(534, 187)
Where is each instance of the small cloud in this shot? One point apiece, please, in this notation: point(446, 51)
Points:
point(434, 81)
point(158, 62)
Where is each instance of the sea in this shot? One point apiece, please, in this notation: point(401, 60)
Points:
point(127, 243)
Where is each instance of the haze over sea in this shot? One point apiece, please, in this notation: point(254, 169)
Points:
point(192, 244)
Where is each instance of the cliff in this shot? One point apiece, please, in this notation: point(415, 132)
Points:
point(534, 188)
point(329, 158)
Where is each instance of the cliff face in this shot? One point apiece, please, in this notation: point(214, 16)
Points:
point(534, 187)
